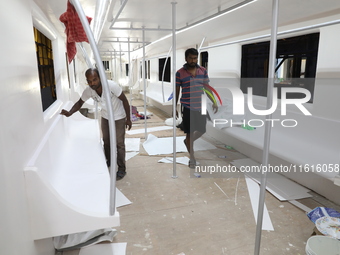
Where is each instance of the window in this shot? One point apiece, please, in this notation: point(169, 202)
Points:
point(126, 69)
point(106, 65)
point(167, 72)
point(46, 69)
point(204, 59)
point(296, 61)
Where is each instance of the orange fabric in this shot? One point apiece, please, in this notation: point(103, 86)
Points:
point(74, 30)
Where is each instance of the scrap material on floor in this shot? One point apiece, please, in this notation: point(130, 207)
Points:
point(121, 199)
point(132, 144)
point(130, 155)
point(148, 130)
point(199, 216)
point(158, 146)
point(281, 187)
point(179, 160)
point(254, 194)
point(105, 249)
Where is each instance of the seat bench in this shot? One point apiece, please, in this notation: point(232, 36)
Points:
point(67, 180)
point(154, 92)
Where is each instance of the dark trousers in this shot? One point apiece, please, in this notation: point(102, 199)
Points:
point(120, 138)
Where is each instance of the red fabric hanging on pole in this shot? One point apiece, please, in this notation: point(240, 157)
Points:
point(74, 30)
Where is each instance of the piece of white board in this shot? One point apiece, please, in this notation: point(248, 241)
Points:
point(121, 199)
point(132, 144)
point(160, 146)
point(254, 194)
point(149, 129)
point(179, 160)
point(280, 186)
point(105, 249)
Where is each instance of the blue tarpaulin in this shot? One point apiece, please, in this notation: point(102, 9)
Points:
point(319, 212)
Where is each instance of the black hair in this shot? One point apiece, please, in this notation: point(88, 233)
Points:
point(91, 70)
point(191, 51)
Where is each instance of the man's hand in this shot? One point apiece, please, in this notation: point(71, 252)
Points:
point(65, 113)
point(215, 108)
point(128, 124)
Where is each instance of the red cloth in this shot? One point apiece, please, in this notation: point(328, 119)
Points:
point(74, 30)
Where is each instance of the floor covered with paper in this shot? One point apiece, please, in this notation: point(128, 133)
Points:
point(213, 214)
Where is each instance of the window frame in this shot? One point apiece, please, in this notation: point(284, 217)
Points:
point(255, 59)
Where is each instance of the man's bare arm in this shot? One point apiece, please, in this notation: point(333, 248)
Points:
point(76, 107)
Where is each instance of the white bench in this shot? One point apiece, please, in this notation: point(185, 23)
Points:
point(67, 180)
point(313, 143)
point(154, 92)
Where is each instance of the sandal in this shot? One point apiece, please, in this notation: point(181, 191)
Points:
point(120, 175)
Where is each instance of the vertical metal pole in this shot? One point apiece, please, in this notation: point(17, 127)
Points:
point(166, 61)
point(111, 64)
point(112, 127)
point(144, 82)
point(120, 60)
point(271, 75)
point(115, 56)
point(174, 105)
point(199, 50)
point(129, 76)
point(86, 56)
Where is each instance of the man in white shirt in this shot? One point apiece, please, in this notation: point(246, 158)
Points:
point(121, 109)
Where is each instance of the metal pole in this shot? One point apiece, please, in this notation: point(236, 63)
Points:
point(115, 55)
point(86, 56)
point(166, 61)
point(119, 12)
point(144, 82)
point(271, 75)
point(174, 105)
point(120, 59)
point(199, 50)
point(129, 76)
point(112, 127)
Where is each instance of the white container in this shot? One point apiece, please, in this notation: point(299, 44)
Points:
point(322, 245)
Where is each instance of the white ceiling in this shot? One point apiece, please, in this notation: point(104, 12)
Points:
point(153, 14)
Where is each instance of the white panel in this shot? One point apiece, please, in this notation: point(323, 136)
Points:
point(21, 118)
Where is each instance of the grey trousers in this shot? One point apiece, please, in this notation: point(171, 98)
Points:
point(120, 140)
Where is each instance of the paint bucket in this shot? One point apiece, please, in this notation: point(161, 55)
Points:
point(322, 245)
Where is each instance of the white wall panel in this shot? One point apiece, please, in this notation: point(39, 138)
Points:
point(22, 121)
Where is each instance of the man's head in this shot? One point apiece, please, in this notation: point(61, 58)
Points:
point(93, 78)
point(191, 57)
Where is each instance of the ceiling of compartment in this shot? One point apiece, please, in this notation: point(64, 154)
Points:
point(126, 18)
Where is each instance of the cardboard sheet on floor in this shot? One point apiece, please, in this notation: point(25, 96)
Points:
point(149, 129)
point(158, 146)
point(132, 144)
point(280, 186)
point(179, 160)
point(130, 154)
point(105, 249)
point(254, 194)
point(121, 199)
